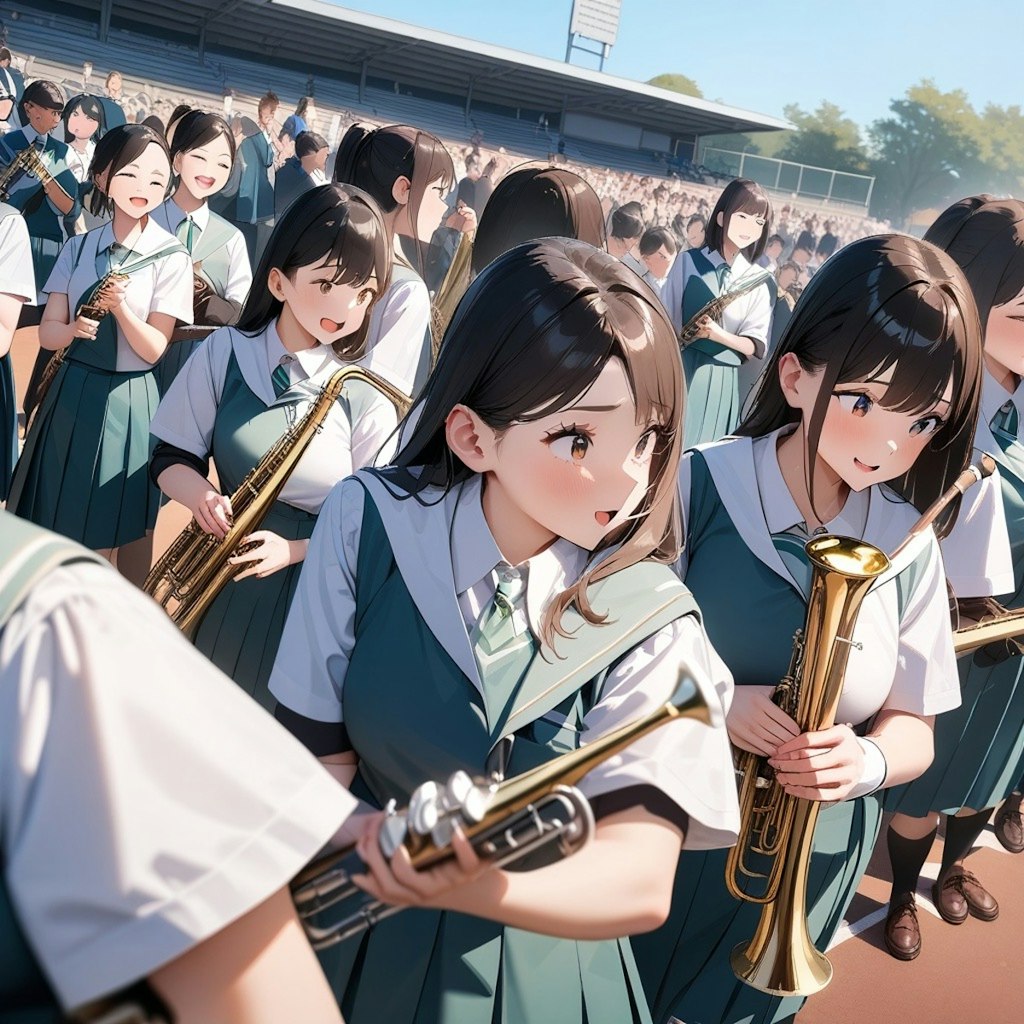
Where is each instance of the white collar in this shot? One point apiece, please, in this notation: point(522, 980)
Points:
point(994, 396)
point(740, 265)
point(780, 510)
point(174, 215)
point(30, 133)
point(312, 360)
point(152, 237)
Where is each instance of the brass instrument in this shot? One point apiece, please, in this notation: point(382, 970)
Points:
point(776, 830)
point(94, 311)
point(503, 820)
point(26, 161)
point(195, 568)
point(453, 287)
point(714, 309)
point(1005, 627)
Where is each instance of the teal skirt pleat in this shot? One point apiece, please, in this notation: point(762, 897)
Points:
point(175, 356)
point(8, 426)
point(979, 746)
point(84, 470)
point(712, 397)
point(685, 966)
point(241, 631)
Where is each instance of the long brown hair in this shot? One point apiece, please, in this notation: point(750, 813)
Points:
point(531, 334)
point(890, 301)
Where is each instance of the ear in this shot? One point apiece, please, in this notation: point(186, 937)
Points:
point(275, 284)
point(401, 189)
point(791, 379)
point(720, 219)
point(100, 179)
point(470, 439)
point(176, 164)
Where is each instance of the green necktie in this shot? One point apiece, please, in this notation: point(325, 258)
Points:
point(1005, 425)
point(280, 379)
point(187, 233)
point(502, 654)
point(723, 272)
point(790, 545)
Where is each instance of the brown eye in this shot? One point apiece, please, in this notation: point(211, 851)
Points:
point(580, 444)
point(325, 287)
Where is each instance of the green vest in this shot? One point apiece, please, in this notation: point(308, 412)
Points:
point(27, 554)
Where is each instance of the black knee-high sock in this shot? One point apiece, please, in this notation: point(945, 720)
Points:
point(960, 836)
point(907, 857)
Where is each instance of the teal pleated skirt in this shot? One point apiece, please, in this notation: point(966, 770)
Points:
point(712, 395)
point(241, 631)
point(432, 967)
point(84, 470)
point(685, 966)
point(8, 426)
point(979, 746)
point(174, 358)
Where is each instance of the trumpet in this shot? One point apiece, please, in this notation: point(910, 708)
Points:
point(26, 161)
point(505, 821)
point(770, 863)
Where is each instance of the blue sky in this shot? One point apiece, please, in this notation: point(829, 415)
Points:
point(763, 54)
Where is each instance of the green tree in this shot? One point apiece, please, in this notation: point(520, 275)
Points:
point(925, 151)
point(677, 83)
point(823, 138)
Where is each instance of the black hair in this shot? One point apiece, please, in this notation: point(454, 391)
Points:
point(697, 218)
point(827, 246)
point(195, 128)
point(985, 236)
point(777, 240)
point(42, 94)
point(91, 107)
point(886, 302)
point(537, 202)
point(118, 148)
point(307, 143)
point(741, 195)
point(331, 226)
point(627, 221)
point(654, 238)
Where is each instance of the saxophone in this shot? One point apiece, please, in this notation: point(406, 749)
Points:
point(26, 161)
point(453, 287)
point(714, 309)
point(503, 820)
point(195, 568)
point(769, 863)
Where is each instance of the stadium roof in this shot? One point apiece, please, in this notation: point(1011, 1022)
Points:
point(323, 35)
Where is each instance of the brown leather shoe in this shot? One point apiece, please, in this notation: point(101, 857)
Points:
point(980, 902)
point(1009, 826)
point(902, 935)
point(950, 901)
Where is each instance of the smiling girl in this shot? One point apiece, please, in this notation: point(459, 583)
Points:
point(489, 600)
point(327, 260)
point(866, 413)
point(83, 471)
point(202, 153)
point(408, 173)
point(736, 234)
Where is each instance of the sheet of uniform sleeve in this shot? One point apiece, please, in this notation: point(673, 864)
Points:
point(174, 287)
point(976, 552)
point(397, 343)
point(374, 430)
point(60, 277)
point(187, 414)
point(926, 680)
point(147, 802)
point(688, 761)
point(240, 272)
point(319, 634)
point(672, 291)
point(16, 276)
point(757, 318)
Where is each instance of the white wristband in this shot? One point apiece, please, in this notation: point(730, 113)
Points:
point(875, 769)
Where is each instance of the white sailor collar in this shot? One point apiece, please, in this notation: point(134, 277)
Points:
point(994, 397)
point(152, 237)
point(739, 265)
point(172, 215)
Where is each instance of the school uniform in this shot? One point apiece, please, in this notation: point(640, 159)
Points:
point(135, 824)
point(743, 564)
point(714, 397)
point(979, 748)
point(44, 220)
point(84, 468)
point(383, 641)
point(224, 406)
point(398, 342)
point(220, 258)
point(16, 278)
point(254, 203)
point(290, 182)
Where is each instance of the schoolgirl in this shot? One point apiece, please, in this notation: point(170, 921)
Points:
point(408, 173)
point(490, 599)
point(979, 749)
point(44, 204)
point(83, 471)
point(736, 234)
point(202, 152)
point(325, 264)
point(17, 286)
point(866, 413)
point(83, 128)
